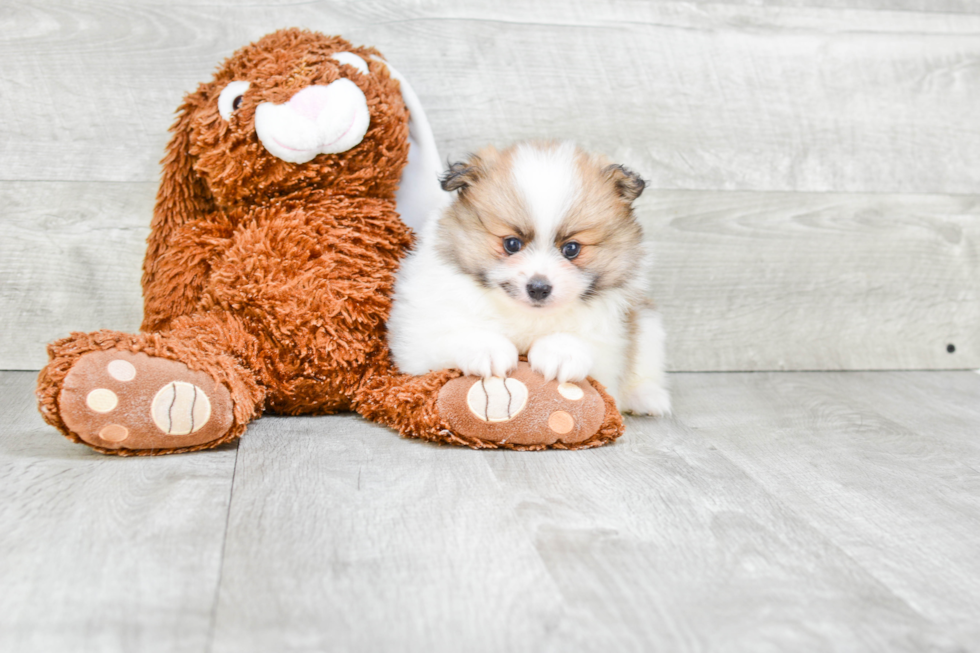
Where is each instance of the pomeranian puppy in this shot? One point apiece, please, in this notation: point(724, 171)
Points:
point(539, 254)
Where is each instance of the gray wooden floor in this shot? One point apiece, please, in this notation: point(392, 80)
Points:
point(774, 512)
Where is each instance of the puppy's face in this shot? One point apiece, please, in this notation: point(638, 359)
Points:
point(545, 223)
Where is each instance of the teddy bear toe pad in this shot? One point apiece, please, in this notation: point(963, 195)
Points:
point(119, 399)
point(522, 410)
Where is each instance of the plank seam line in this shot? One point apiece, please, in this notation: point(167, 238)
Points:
point(221, 562)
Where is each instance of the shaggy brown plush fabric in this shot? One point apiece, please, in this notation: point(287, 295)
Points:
point(275, 278)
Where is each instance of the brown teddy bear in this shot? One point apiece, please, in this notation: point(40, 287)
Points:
point(269, 269)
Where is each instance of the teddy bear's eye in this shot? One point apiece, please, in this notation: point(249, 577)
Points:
point(231, 98)
point(352, 59)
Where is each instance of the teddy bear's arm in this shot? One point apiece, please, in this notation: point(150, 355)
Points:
point(173, 280)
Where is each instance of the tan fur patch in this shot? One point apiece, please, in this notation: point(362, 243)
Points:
point(603, 223)
point(485, 212)
point(633, 330)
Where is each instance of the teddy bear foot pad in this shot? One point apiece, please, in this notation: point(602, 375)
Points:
point(123, 400)
point(522, 410)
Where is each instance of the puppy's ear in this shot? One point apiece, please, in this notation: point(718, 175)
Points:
point(461, 175)
point(629, 184)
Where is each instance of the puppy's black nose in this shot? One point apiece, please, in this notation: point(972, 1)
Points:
point(538, 288)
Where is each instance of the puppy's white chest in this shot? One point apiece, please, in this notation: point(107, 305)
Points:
point(591, 323)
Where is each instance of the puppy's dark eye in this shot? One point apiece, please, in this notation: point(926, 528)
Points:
point(570, 250)
point(512, 245)
point(237, 102)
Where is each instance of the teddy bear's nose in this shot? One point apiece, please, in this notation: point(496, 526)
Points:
point(316, 120)
point(310, 102)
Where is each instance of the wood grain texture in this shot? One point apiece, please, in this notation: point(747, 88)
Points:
point(798, 281)
point(624, 6)
point(773, 512)
point(344, 537)
point(70, 260)
point(746, 281)
point(835, 524)
point(697, 95)
point(930, 6)
point(806, 132)
point(879, 463)
point(99, 553)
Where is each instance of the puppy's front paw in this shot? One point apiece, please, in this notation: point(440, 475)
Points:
point(560, 356)
point(647, 398)
point(485, 355)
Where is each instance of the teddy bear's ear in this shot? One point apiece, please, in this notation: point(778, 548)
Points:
point(628, 183)
point(183, 196)
point(419, 192)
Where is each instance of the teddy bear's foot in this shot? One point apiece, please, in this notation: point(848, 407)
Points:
point(523, 411)
point(117, 399)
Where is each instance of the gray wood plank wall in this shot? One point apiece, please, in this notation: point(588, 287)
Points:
point(814, 164)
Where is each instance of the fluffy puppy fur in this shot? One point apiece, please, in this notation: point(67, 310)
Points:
point(539, 254)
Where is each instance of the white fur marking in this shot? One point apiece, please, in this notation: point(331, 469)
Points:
point(550, 183)
point(561, 356)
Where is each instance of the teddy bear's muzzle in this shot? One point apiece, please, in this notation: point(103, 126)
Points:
point(317, 120)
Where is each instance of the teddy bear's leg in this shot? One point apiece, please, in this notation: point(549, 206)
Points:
point(150, 393)
point(519, 412)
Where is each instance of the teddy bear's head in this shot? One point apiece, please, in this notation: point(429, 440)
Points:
point(295, 110)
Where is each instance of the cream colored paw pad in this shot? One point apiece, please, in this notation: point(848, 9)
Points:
point(121, 370)
point(114, 433)
point(180, 408)
point(561, 422)
point(497, 399)
point(102, 400)
point(571, 391)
